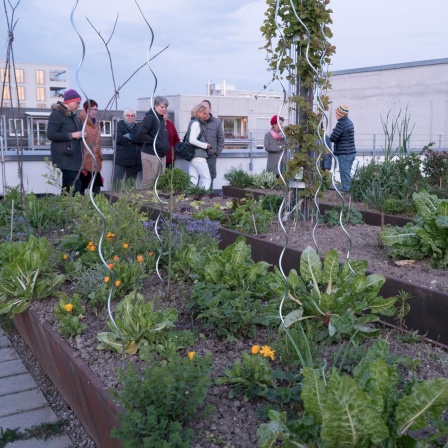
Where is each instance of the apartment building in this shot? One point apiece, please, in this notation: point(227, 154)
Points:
point(35, 86)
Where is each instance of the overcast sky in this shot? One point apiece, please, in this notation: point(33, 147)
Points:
point(208, 41)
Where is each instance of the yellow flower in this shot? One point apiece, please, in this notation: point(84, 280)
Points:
point(117, 283)
point(110, 236)
point(106, 279)
point(68, 307)
point(150, 254)
point(65, 256)
point(116, 257)
point(110, 265)
point(139, 258)
point(255, 349)
point(267, 352)
point(91, 248)
point(191, 355)
point(125, 245)
point(90, 243)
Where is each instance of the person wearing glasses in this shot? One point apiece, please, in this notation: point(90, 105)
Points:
point(64, 132)
point(128, 158)
point(92, 136)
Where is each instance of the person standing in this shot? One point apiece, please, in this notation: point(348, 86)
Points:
point(154, 137)
point(343, 137)
point(128, 154)
point(214, 134)
point(64, 132)
point(173, 138)
point(274, 144)
point(198, 167)
point(92, 136)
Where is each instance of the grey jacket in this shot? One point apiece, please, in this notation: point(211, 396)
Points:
point(274, 149)
point(214, 134)
point(66, 153)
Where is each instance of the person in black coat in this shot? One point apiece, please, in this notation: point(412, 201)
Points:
point(154, 135)
point(128, 158)
point(64, 132)
point(343, 137)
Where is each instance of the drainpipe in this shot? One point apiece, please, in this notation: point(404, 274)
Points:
point(251, 142)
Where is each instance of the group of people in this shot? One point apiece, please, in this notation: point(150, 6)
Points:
point(342, 136)
point(147, 148)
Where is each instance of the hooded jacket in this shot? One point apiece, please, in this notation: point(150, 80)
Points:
point(66, 153)
point(153, 131)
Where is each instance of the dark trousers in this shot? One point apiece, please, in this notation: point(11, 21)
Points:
point(71, 179)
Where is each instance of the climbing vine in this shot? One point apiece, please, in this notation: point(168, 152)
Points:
point(296, 33)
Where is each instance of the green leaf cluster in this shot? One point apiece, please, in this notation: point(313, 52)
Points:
point(427, 237)
point(214, 213)
point(334, 298)
point(26, 274)
point(159, 402)
point(70, 322)
point(350, 215)
point(369, 409)
point(249, 216)
point(174, 180)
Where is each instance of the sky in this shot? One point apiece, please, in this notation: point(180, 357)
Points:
point(204, 41)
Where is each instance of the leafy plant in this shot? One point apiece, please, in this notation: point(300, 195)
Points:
point(214, 213)
point(238, 178)
point(334, 298)
point(70, 314)
point(139, 325)
point(369, 409)
point(349, 216)
point(250, 217)
point(435, 166)
point(426, 237)
point(26, 274)
point(393, 206)
point(265, 179)
point(271, 202)
point(159, 401)
point(174, 180)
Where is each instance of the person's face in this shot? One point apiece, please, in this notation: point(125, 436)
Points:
point(161, 109)
point(208, 110)
point(202, 114)
point(93, 111)
point(277, 127)
point(130, 117)
point(72, 106)
point(165, 115)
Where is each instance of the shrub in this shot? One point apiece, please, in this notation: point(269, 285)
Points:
point(349, 216)
point(174, 180)
point(238, 178)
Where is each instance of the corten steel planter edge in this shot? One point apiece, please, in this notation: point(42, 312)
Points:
point(428, 307)
point(370, 217)
point(73, 378)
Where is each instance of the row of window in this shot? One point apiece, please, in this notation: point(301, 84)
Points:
point(40, 93)
point(20, 76)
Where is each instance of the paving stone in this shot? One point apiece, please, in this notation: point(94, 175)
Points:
point(7, 353)
point(4, 342)
point(17, 383)
point(54, 442)
point(12, 367)
point(21, 402)
point(27, 419)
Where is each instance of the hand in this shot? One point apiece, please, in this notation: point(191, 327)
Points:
point(76, 135)
point(128, 136)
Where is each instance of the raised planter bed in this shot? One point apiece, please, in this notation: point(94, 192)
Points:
point(370, 217)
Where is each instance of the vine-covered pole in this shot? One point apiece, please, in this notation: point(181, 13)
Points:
point(296, 33)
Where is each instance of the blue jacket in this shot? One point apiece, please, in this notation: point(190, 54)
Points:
point(343, 137)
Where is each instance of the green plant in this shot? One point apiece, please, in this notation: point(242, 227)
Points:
point(435, 166)
point(214, 213)
point(159, 401)
point(43, 431)
point(350, 215)
point(45, 212)
point(238, 178)
point(264, 180)
point(26, 274)
point(174, 180)
point(369, 409)
point(334, 298)
point(139, 325)
point(393, 206)
point(426, 237)
point(70, 314)
point(249, 216)
point(271, 202)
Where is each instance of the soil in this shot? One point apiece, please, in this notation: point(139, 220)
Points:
point(235, 421)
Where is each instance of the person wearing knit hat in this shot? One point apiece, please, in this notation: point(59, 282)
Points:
point(343, 137)
point(274, 144)
point(64, 130)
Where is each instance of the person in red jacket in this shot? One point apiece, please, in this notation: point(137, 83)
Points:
point(173, 138)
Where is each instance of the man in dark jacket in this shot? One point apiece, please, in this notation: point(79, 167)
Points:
point(154, 137)
point(64, 132)
point(214, 134)
point(343, 137)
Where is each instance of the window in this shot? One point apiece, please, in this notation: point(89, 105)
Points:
point(16, 126)
point(41, 105)
point(106, 128)
point(234, 127)
point(4, 75)
point(40, 94)
point(6, 93)
point(40, 133)
point(21, 93)
point(40, 77)
point(20, 78)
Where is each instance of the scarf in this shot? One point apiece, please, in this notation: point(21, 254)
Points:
point(277, 135)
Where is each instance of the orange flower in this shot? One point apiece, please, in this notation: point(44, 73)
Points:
point(65, 256)
point(191, 355)
point(91, 248)
point(150, 254)
point(125, 245)
point(117, 283)
point(116, 257)
point(110, 265)
point(68, 307)
point(110, 236)
point(90, 243)
point(139, 258)
point(267, 352)
point(106, 279)
point(255, 349)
